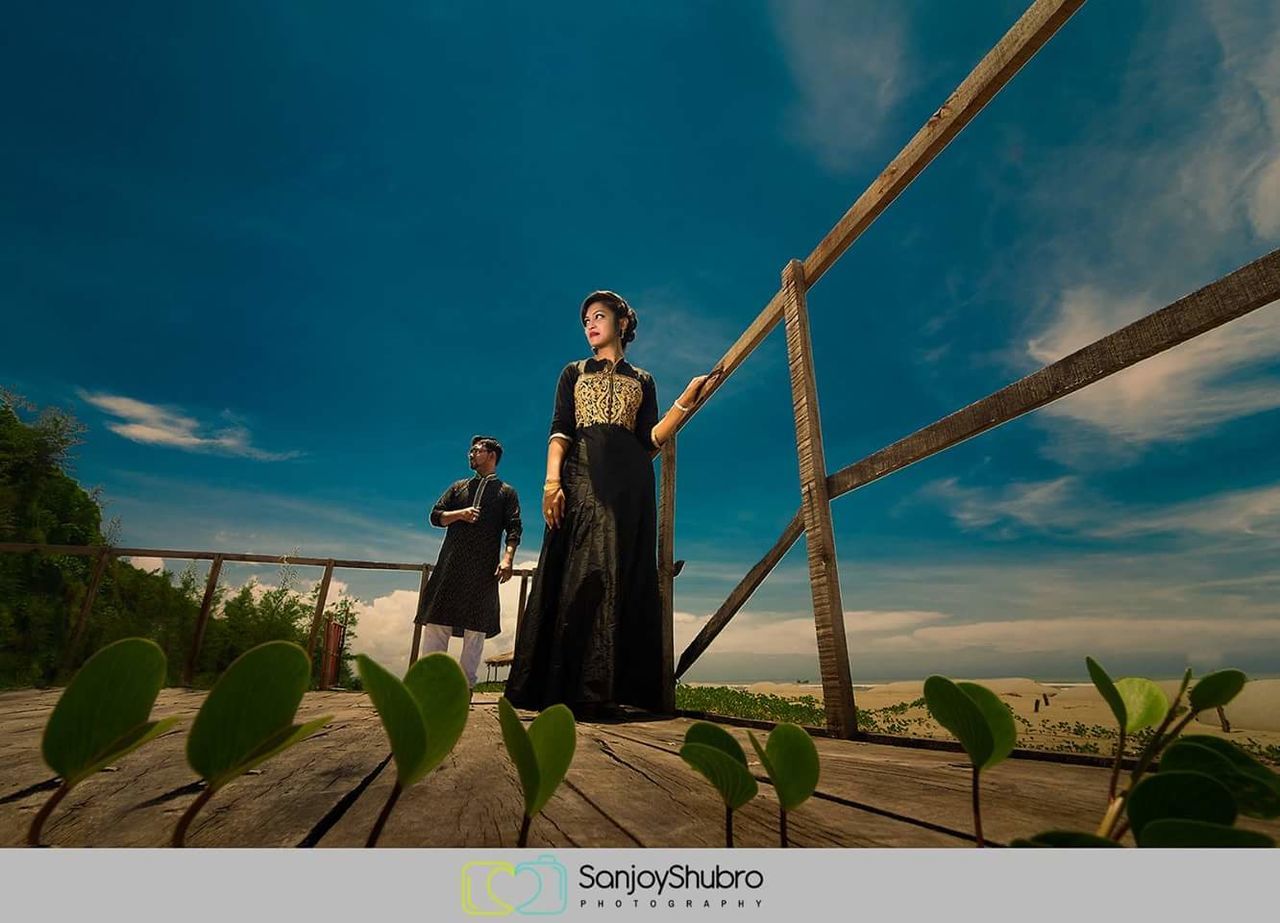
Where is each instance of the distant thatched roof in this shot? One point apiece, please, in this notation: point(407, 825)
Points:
point(501, 660)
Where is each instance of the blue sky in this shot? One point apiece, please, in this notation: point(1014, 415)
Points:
point(285, 258)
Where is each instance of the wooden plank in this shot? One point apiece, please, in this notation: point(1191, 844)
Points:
point(322, 596)
point(472, 799)
point(666, 572)
point(652, 792)
point(202, 621)
point(1251, 287)
point(824, 575)
point(1027, 36)
point(741, 593)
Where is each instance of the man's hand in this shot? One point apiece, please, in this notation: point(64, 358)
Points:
point(503, 573)
point(470, 514)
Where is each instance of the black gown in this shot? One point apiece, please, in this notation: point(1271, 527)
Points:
point(591, 632)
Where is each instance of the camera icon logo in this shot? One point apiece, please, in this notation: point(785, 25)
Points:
point(492, 888)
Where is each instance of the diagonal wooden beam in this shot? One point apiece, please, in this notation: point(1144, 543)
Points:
point(741, 593)
point(1251, 287)
point(1027, 36)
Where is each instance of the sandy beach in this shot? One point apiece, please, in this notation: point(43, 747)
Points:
point(1069, 717)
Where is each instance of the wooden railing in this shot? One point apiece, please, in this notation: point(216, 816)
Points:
point(1247, 289)
point(103, 553)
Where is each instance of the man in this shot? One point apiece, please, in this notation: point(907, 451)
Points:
point(461, 598)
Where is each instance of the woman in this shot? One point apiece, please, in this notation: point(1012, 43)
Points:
point(591, 635)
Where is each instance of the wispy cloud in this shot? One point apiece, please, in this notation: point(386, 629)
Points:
point(153, 424)
point(851, 68)
point(1066, 506)
point(1153, 214)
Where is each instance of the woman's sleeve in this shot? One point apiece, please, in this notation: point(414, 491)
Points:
point(647, 415)
point(564, 419)
point(443, 505)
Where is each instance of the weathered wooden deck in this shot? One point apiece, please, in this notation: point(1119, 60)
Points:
point(627, 787)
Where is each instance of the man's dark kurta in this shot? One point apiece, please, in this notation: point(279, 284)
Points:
point(463, 589)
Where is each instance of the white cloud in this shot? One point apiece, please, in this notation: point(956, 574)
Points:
point(851, 68)
point(1206, 638)
point(151, 424)
point(1066, 505)
point(1173, 184)
point(385, 629)
point(1173, 397)
point(150, 565)
point(794, 633)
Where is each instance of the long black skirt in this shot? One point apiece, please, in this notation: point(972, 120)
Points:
point(591, 632)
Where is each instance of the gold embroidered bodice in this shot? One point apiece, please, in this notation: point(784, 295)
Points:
point(606, 397)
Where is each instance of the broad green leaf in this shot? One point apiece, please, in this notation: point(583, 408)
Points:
point(1145, 703)
point(554, 736)
point(1217, 689)
point(1103, 683)
point(1198, 834)
point(1179, 795)
point(952, 708)
point(791, 760)
point(440, 688)
point(520, 749)
point(999, 718)
point(248, 715)
point(712, 735)
point(731, 779)
point(401, 718)
point(282, 740)
point(102, 714)
point(1255, 788)
point(1067, 839)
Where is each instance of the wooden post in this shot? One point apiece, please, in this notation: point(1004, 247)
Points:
point(824, 577)
point(86, 605)
point(666, 571)
point(202, 620)
point(417, 629)
point(321, 598)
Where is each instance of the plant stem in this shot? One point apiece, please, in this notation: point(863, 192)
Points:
point(37, 823)
point(977, 810)
point(728, 826)
point(382, 817)
point(1109, 819)
point(1115, 769)
point(782, 825)
point(180, 831)
point(524, 831)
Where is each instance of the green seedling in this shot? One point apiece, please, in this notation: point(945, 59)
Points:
point(424, 717)
point(1136, 704)
point(980, 721)
point(714, 753)
point(541, 755)
point(791, 760)
point(247, 718)
point(1203, 782)
point(101, 716)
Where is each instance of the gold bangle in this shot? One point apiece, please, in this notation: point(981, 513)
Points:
point(681, 407)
